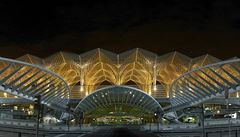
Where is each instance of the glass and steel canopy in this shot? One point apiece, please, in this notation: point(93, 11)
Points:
point(118, 95)
point(62, 76)
point(27, 81)
point(204, 83)
point(90, 69)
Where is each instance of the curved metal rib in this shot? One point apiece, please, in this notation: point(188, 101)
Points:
point(204, 83)
point(28, 80)
point(124, 95)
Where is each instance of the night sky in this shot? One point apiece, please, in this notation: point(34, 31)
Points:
point(192, 27)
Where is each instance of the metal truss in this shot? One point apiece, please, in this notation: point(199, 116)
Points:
point(27, 81)
point(145, 69)
point(206, 82)
point(122, 95)
point(87, 72)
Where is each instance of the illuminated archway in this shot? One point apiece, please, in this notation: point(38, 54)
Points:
point(118, 95)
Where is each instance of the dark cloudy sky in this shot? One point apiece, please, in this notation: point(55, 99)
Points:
point(193, 27)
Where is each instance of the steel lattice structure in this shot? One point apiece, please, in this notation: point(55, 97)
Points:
point(118, 95)
point(27, 81)
point(206, 82)
point(83, 74)
point(86, 72)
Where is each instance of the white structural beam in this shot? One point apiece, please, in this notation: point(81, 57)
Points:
point(204, 83)
point(29, 80)
point(122, 95)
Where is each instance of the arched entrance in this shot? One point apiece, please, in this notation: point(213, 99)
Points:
point(118, 104)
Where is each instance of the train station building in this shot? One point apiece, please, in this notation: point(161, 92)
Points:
point(136, 87)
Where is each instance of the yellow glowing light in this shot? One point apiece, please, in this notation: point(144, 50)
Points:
point(31, 107)
point(30, 112)
point(155, 87)
point(15, 108)
point(5, 95)
point(81, 88)
point(150, 93)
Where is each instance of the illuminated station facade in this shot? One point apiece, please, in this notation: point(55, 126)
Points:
point(136, 87)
